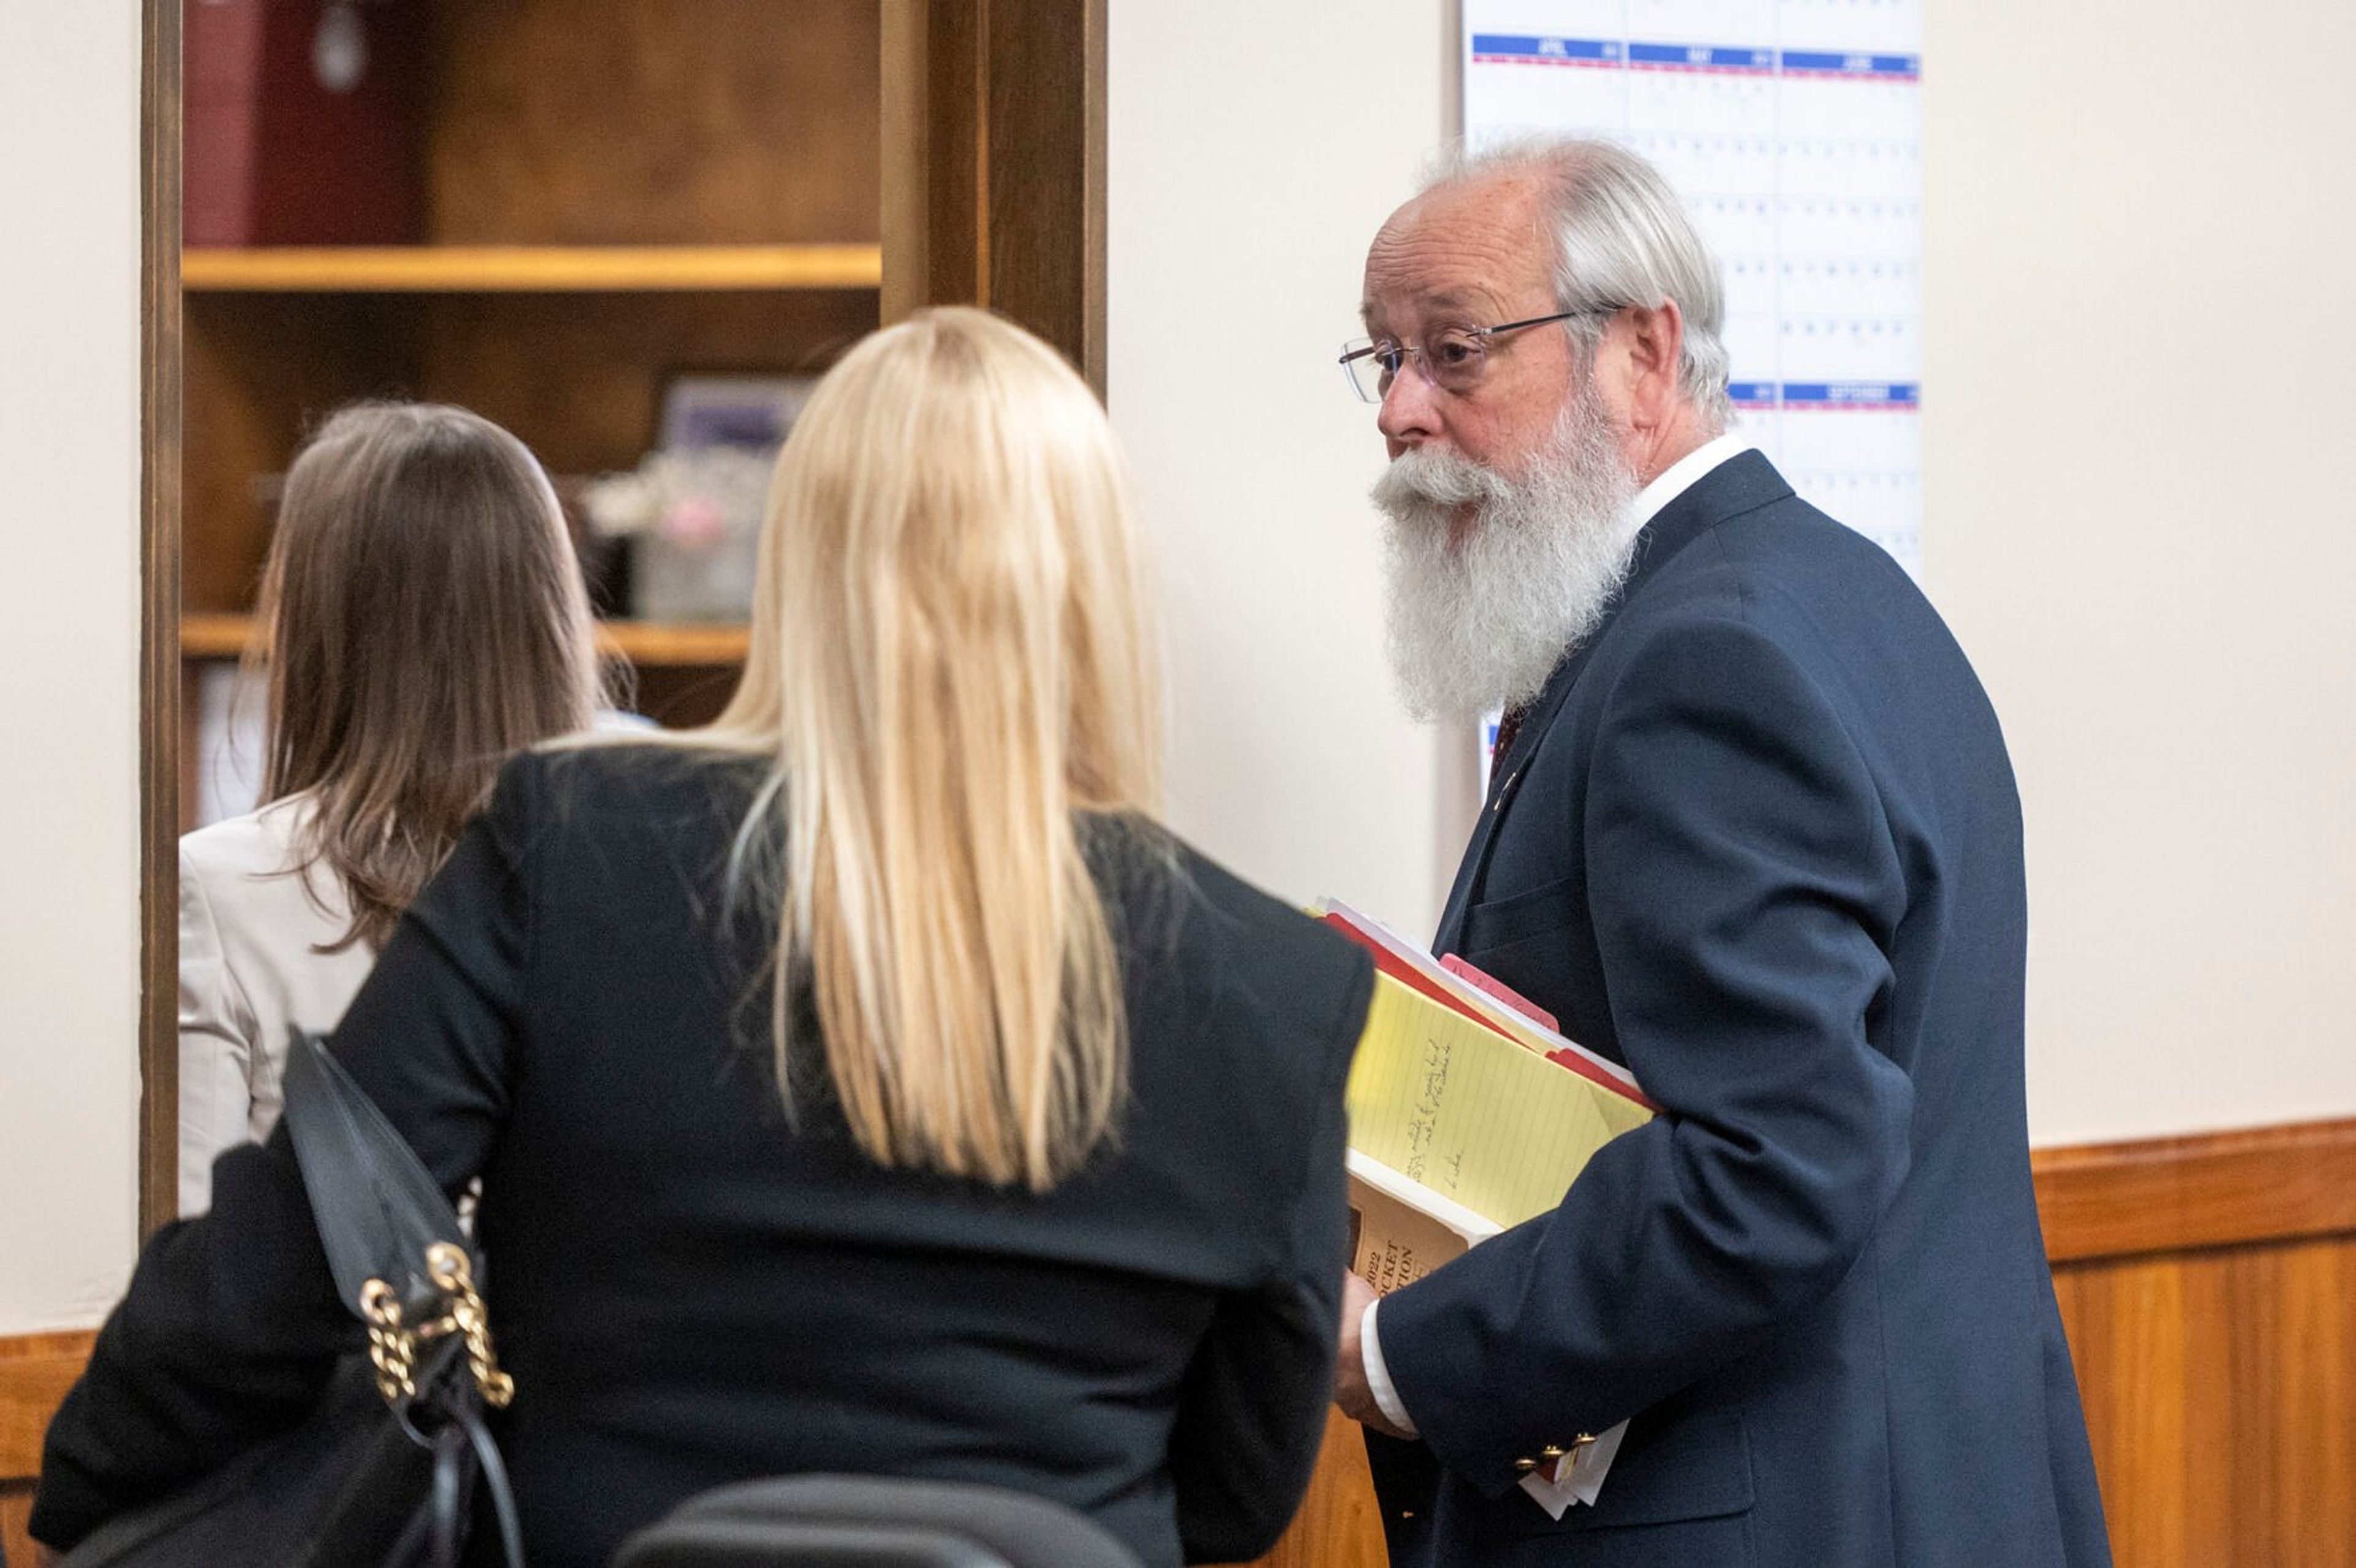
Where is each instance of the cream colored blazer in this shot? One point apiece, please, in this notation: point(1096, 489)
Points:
point(250, 972)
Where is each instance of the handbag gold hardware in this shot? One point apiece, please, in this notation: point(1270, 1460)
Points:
point(393, 1344)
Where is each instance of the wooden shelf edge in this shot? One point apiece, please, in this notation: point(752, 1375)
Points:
point(656, 643)
point(214, 636)
point(541, 269)
point(647, 644)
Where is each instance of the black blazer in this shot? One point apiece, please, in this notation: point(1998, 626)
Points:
point(1759, 841)
point(690, 1289)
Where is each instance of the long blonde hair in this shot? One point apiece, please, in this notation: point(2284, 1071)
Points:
point(422, 615)
point(951, 661)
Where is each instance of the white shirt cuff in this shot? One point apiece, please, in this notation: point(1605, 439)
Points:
point(1578, 1480)
point(1378, 1376)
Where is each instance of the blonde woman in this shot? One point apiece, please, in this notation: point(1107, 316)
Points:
point(866, 1085)
point(422, 618)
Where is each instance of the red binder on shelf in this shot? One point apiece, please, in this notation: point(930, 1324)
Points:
point(302, 121)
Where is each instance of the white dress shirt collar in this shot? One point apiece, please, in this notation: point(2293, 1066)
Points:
point(1685, 473)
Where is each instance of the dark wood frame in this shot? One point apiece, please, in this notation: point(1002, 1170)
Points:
point(159, 614)
point(995, 165)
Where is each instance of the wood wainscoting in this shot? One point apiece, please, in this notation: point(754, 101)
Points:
point(36, 1369)
point(2208, 1288)
point(2208, 1284)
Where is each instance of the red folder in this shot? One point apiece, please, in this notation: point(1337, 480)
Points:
point(1481, 980)
point(1411, 967)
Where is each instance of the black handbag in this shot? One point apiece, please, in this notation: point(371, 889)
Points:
point(386, 1468)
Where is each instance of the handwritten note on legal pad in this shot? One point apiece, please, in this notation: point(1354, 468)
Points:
point(1473, 1115)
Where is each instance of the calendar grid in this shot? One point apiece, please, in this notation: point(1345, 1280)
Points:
point(1793, 130)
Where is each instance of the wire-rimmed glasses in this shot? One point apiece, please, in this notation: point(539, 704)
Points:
point(1452, 360)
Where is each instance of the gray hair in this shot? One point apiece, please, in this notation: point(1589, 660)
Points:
point(1621, 238)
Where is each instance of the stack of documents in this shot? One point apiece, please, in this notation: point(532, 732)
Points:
point(1469, 1112)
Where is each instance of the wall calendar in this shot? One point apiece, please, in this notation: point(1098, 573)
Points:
point(1793, 129)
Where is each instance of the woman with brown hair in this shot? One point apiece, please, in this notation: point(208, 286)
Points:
point(866, 1085)
point(422, 618)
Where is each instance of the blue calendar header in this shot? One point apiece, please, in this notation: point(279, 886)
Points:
point(1888, 397)
point(1501, 47)
point(1885, 68)
point(1902, 396)
point(1526, 49)
point(1700, 57)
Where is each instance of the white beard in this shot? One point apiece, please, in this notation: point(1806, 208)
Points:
point(1480, 624)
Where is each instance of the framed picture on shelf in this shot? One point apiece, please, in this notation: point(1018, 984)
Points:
point(699, 412)
point(689, 514)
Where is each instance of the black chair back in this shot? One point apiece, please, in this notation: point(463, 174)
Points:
point(871, 1521)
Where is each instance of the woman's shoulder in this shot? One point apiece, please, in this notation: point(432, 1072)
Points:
point(628, 773)
point(261, 842)
point(1249, 912)
point(248, 874)
point(1254, 954)
point(618, 810)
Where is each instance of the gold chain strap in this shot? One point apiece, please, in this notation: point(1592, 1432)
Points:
point(449, 1268)
point(392, 1345)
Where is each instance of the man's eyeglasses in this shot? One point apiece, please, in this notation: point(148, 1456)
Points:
point(1452, 361)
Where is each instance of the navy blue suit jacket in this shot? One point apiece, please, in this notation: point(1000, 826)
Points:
point(1759, 839)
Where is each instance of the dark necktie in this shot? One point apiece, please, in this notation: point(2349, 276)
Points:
point(1508, 726)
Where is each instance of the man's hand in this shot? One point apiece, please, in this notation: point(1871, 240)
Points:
point(1350, 1390)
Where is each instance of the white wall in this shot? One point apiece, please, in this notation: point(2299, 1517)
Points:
point(2139, 520)
point(69, 644)
point(1253, 150)
point(2139, 322)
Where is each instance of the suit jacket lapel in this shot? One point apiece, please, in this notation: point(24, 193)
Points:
point(1741, 483)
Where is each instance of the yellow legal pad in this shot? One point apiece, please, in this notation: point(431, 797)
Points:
point(1476, 1117)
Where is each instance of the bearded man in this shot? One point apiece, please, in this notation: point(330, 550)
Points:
point(1751, 831)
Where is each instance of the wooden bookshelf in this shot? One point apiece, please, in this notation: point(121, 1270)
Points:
point(649, 645)
point(616, 196)
point(541, 269)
